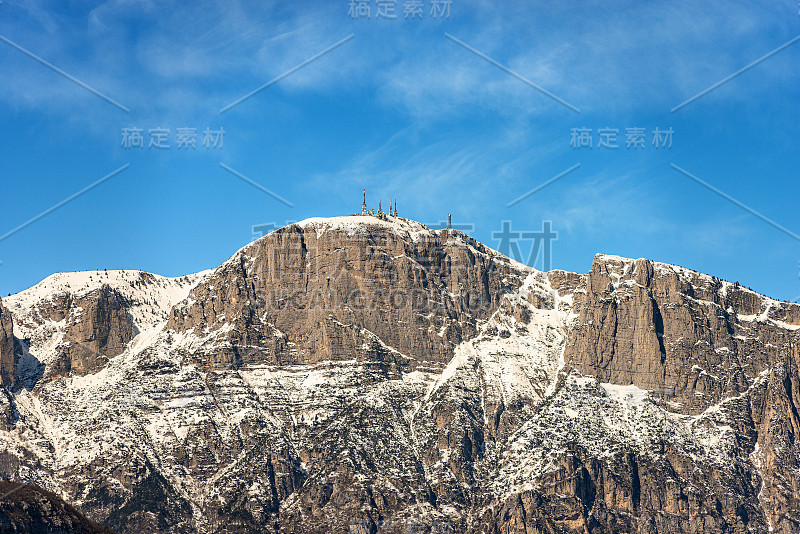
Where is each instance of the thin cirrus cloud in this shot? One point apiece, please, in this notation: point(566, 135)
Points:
point(470, 171)
point(649, 58)
point(600, 60)
point(134, 48)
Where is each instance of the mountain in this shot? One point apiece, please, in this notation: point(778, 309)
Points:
point(27, 509)
point(359, 374)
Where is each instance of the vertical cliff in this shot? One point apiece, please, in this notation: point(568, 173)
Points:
point(690, 338)
point(8, 365)
point(327, 282)
point(98, 326)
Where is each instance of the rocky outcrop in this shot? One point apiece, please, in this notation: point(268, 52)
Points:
point(98, 326)
point(689, 338)
point(27, 509)
point(328, 292)
point(777, 424)
point(8, 364)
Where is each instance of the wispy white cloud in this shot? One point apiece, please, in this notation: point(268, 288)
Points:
point(472, 172)
point(606, 57)
point(602, 56)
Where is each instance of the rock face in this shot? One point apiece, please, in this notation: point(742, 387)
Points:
point(98, 327)
point(363, 375)
point(330, 289)
point(682, 334)
point(8, 364)
point(31, 510)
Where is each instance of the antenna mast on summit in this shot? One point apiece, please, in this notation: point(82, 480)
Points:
point(364, 203)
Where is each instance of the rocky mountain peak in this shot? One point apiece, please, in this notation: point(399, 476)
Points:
point(370, 374)
point(27, 509)
point(324, 287)
point(687, 335)
point(76, 322)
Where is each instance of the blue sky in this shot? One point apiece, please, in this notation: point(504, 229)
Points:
point(407, 112)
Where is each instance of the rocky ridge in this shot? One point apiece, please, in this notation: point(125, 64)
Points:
point(27, 509)
point(354, 374)
point(8, 364)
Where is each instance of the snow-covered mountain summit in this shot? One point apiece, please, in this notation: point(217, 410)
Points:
point(91, 314)
point(150, 296)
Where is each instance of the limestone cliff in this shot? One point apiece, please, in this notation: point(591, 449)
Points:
point(691, 338)
point(331, 290)
point(98, 327)
point(8, 364)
